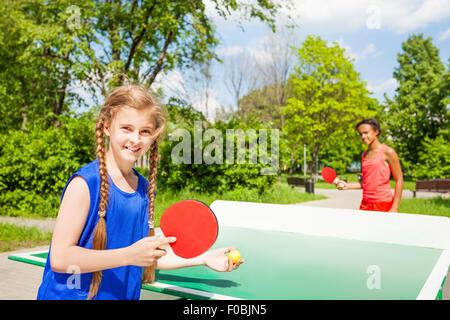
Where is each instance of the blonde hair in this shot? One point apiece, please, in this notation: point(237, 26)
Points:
point(132, 96)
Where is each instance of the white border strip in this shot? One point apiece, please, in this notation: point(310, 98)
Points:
point(433, 284)
point(29, 256)
point(397, 228)
point(194, 292)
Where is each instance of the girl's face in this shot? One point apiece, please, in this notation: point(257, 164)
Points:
point(130, 134)
point(367, 133)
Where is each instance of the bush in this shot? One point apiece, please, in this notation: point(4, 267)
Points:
point(433, 159)
point(215, 177)
point(35, 165)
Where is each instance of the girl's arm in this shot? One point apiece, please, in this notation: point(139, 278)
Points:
point(66, 255)
point(215, 259)
point(68, 227)
point(342, 185)
point(396, 169)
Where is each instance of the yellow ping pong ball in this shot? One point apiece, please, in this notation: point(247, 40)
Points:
point(234, 255)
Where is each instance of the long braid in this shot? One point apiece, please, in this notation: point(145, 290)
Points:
point(99, 241)
point(153, 157)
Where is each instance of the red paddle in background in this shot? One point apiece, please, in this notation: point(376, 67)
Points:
point(194, 225)
point(329, 175)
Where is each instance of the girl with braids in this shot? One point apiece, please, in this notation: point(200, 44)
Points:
point(104, 232)
point(377, 162)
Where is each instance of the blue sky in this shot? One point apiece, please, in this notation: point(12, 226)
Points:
point(371, 31)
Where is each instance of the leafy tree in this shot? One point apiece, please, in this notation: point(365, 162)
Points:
point(197, 176)
point(419, 108)
point(433, 159)
point(139, 39)
point(46, 47)
point(328, 97)
point(260, 104)
point(37, 61)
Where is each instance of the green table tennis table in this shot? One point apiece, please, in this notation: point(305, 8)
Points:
point(296, 252)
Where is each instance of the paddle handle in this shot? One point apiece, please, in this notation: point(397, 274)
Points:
point(336, 182)
point(166, 247)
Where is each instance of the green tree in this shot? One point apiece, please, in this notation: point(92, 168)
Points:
point(140, 39)
point(433, 159)
point(37, 60)
point(194, 175)
point(328, 97)
point(48, 46)
point(419, 107)
point(264, 105)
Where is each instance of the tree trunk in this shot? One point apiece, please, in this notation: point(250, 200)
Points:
point(24, 118)
point(59, 106)
point(291, 170)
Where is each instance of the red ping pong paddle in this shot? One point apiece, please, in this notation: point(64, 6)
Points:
point(329, 175)
point(194, 225)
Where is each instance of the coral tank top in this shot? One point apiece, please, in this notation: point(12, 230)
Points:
point(376, 174)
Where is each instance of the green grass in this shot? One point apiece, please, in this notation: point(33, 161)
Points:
point(433, 206)
point(280, 193)
point(13, 237)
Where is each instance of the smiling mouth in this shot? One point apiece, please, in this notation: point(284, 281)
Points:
point(134, 150)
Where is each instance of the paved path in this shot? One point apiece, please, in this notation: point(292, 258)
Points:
point(20, 281)
point(348, 199)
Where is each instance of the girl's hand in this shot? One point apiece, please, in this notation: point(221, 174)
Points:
point(147, 251)
point(217, 260)
point(341, 185)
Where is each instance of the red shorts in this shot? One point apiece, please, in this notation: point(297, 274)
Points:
point(376, 206)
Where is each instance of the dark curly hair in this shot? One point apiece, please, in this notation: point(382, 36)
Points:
point(373, 123)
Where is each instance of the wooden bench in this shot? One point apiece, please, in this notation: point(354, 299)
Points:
point(435, 185)
point(301, 182)
point(296, 182)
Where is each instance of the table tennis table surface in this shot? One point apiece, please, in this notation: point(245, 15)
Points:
point(294, 265)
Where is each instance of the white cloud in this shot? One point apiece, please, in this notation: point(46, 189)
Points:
point(172, 83)
point(370, 51)
point(332, 16)
point(410, 15)
point(350, 52)
point(232, 50)
point(207, 104)
point(444, 35)
point(388, 86)
point(257, 53)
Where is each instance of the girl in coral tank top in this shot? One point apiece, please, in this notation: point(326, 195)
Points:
point(377, 162)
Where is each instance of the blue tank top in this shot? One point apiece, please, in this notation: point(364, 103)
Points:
point(126, 222)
